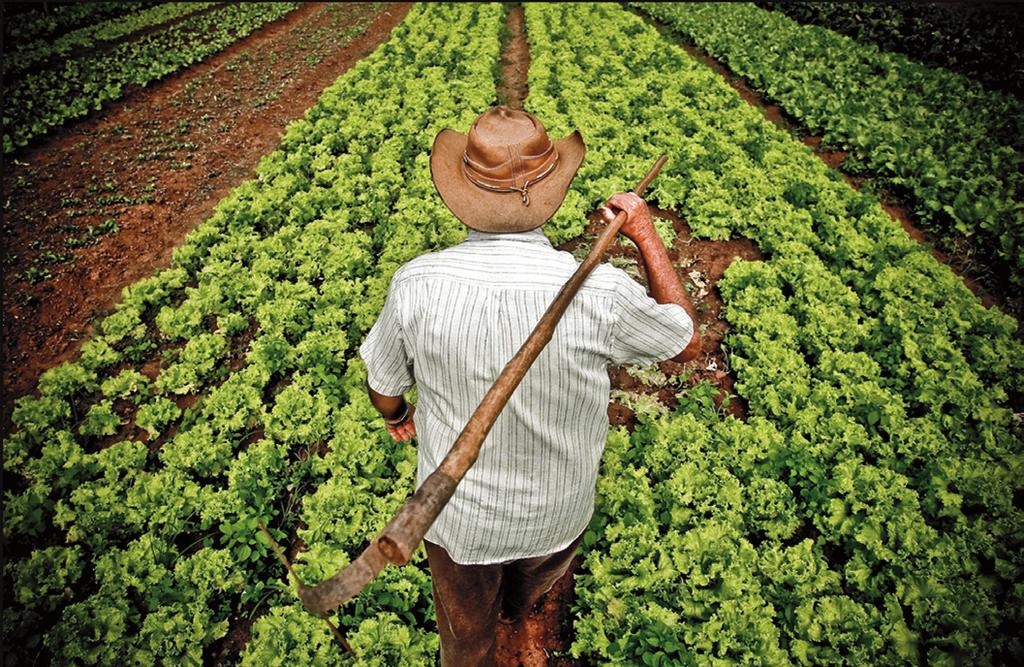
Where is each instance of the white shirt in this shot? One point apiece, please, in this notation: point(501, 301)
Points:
point(452, 320)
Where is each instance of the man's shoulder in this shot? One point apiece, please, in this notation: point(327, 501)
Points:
point(430, 264)
point(546, 266)
point(610, 278)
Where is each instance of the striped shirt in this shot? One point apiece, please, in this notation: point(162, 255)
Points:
point(452, 320)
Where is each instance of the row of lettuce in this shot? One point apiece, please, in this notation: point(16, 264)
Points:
point(52, 21)
point(142, 515)
point(865, 513)
point(981, 41)
point(23, 56)
point(44, 90)
point(957, 148)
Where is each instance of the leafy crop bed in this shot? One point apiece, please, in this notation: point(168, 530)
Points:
point(23, 56)
point(143, 514)
point(40, 100)
point(956, 147)
point(867, 511)
point(48, 22)
point(980, 40)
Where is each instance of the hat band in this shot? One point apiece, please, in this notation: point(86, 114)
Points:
point(472, 171)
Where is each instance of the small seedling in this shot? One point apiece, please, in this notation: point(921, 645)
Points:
point(35, 274)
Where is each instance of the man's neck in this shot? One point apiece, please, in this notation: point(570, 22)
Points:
point(531, 236)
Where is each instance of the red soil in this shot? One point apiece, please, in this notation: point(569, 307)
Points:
point(186, 141)
point(515, 61)
point(700, 264)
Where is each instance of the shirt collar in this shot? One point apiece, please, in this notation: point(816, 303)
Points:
point(531, 236)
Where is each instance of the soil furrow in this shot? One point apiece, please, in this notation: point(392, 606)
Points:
point(515, 61)
point(157, 162)
point(545, 635)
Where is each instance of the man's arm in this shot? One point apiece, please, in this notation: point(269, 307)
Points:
point(665, 284)
point(397, 414)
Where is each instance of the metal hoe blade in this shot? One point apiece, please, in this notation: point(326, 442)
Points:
point(346, 584)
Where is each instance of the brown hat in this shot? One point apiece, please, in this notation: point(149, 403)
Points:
point(506, 175)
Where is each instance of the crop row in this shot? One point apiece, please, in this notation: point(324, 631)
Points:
point(979, 41)
point(865, 513)
point(51, 22)
point(19, 59)
point(40, 101)
point(957, 148)
point(143, 514)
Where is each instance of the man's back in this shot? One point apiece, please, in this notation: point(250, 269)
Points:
point(452, 321)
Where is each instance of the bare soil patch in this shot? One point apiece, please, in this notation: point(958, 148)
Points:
point(700, 264)
point(515, 61)
point(156, 162)
point(543, 637)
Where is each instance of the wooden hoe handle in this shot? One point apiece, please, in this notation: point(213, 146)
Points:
point(400, 538)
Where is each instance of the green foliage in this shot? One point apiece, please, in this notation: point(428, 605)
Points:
point(127, 384)
point(156, 414)
point(67, 381)
point(124, 322)
point(25, 55)
point(50, 21)
point(300, 414)
point(197, 362)
point(38, 417)
point(289, 635)
point(175, 607)
point(955, 146)
point(244, 540)
point(46, 97)
point(97, 354)
point(230, 324)
point(101, 420)
point(979, 41)
point(198, 450)
point(96, 512)
point(45, 579)
point(384, 640)
point(873, 379)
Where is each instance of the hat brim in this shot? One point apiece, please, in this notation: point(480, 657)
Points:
point(501, 212)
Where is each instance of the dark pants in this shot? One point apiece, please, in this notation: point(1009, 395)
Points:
point(467, 599)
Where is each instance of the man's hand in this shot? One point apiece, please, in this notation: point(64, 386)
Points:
point(638, 226)
point(404, 430)
point(396, 412)
point(665, 284)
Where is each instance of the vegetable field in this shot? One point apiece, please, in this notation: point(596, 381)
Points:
point(838, 479)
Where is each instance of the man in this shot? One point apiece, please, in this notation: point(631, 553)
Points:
point(451, 321)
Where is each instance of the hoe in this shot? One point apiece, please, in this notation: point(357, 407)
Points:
point(402, 535)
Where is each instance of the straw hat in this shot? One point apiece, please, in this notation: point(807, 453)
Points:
point(506, 175)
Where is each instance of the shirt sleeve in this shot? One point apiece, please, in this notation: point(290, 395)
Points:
point(389, 367)
point(646, 331)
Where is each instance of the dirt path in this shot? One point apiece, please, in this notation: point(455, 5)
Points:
point(155, 162)
point(545, 635)
point(515, 61)
point(982, 280)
